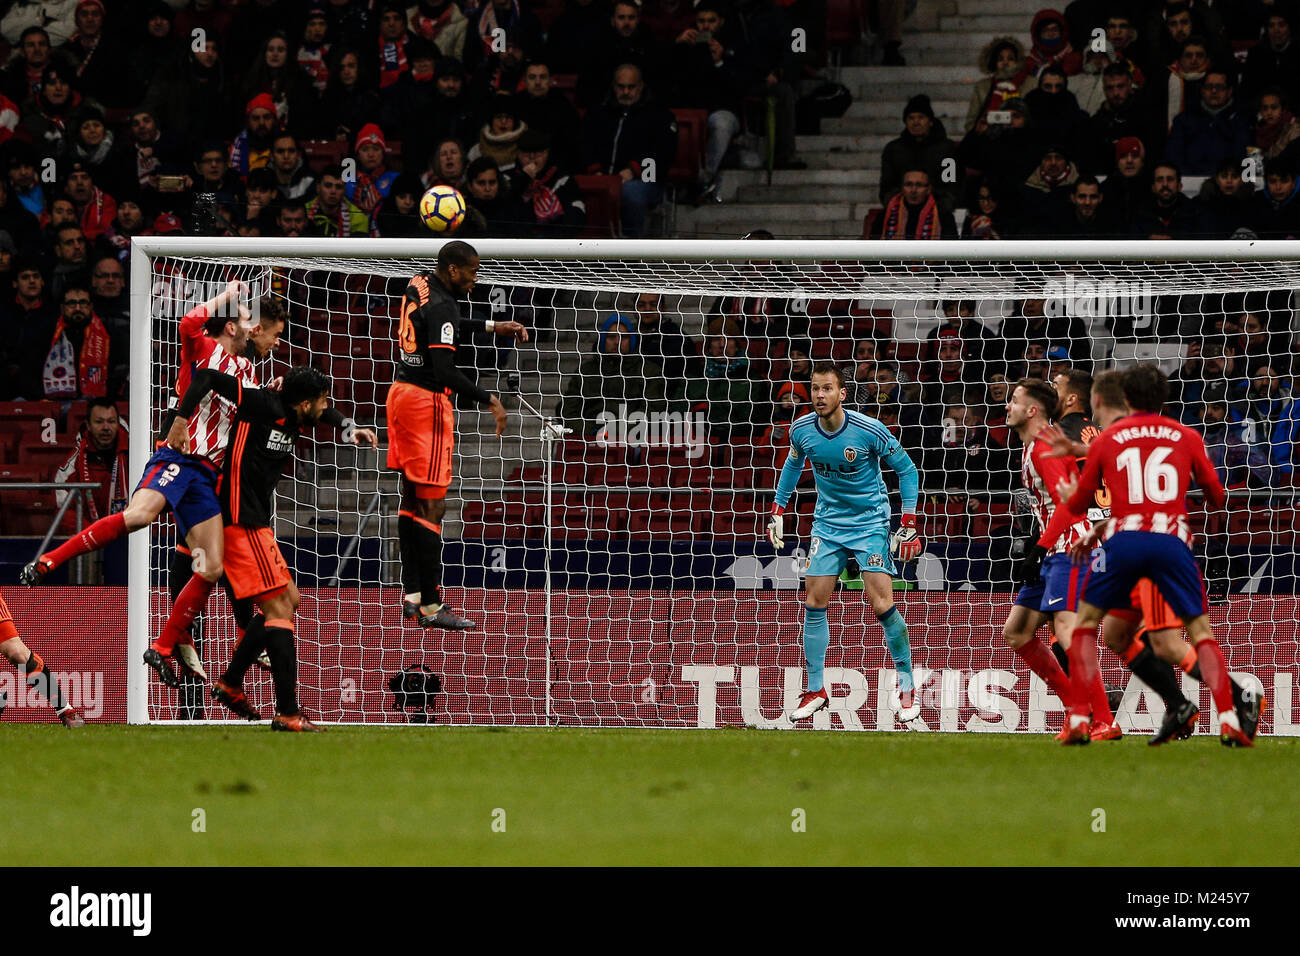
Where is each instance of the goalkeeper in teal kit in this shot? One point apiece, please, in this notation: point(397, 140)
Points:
point(852, 518)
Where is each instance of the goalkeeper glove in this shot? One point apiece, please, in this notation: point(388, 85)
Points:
point(776, 527)
point(906, 543)
point(1031, 564)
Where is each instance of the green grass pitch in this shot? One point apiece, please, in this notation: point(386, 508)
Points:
point(115, 795)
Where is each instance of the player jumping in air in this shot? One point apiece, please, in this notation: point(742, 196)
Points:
point(213, 336)
point(1149, 639)
point(421, 421)
point(1147, 461)
point(851, 519)
point(1049, 579)
point(37, 672)
point(267, 425)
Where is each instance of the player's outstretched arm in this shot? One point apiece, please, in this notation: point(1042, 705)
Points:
point(205, 380)
point(352, 435)
point(1061, 445)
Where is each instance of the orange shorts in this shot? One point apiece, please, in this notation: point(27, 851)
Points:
point(7, 630)
point(254, 565)
point(421, 436)
point(1156, 614)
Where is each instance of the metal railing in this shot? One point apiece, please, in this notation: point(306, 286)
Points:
point(78, 491)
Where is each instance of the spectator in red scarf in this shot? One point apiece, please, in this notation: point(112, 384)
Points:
point(393, 37)
point(373, 178)
point(81, 353)
point(95, 208)
point(1051, 46)
point(313, 51)
point(913, 212)
point(546, 202)
point(99, 455)
point(441, 22)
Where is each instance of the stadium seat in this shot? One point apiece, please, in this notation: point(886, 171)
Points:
point(566, 83)
point(46, 457)
point(603, 196)
point(869, 220)
point(320, 153)
point(493, 519)
point(691, 133)
point(845, 23)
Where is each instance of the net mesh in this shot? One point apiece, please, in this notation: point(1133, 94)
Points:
point(619, 576)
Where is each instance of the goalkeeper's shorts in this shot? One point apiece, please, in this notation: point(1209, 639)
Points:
point(830, 548)
point(1130, 556)
point(421, 437)
point(1059, 588)
point(1152, 609)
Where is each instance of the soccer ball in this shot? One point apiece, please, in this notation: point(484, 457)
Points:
point(442, 208)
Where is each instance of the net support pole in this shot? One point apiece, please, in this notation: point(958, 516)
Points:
point(137, 561)
point(548, 444)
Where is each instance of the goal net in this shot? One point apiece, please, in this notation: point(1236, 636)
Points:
point(613, 556)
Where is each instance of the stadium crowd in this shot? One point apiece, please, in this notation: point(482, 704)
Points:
point(120, 119)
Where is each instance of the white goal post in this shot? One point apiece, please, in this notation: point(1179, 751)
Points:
point(619, 576)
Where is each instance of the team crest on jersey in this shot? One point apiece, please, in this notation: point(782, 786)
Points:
point(875, 561)
point(850, 454)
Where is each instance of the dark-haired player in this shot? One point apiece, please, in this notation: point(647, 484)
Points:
point(34, 669)
point(852, 520)
point(266, 428)
point(422, 422)
point(1147, 461)
point(1049, 579)
point(213, 335)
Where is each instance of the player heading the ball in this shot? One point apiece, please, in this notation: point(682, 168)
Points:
point(422, 421)
point(852, 518)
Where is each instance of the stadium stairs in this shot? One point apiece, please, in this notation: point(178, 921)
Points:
point(831, 198)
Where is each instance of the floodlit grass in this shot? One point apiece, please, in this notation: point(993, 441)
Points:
point(117, 795)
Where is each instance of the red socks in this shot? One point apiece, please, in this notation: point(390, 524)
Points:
point(1042, 662)
point(1085, 677)
point(1214, 672)
point(189, 604)
point(91, 539)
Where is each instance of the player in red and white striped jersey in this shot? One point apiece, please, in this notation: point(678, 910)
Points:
point(1147, 461)
point(1049, 579)
point(185, 483)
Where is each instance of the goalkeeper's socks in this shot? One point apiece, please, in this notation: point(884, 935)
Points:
point(246, 651)
point(900, 649)
point(284, 665)
point(1043, 663)
point(1084, 673)
point(38, 676)
point(1215, 671)
point(189, 604)
point(92, 538)
point(409, 545)
point(816, 638)
point(429, 538)
point(1062, 657)
point(1155, 673)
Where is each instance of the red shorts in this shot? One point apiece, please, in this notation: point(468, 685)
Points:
point(254, 565)
point(421, 436)
point(7, 630)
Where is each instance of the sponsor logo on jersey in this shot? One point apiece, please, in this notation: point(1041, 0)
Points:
point(279, 441)
point(448, 333)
